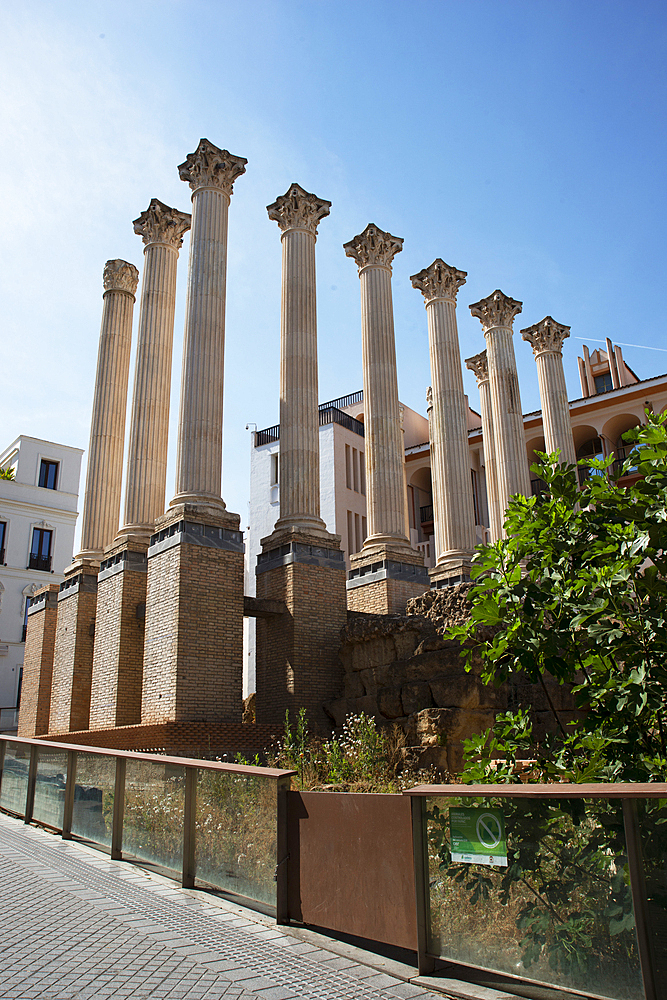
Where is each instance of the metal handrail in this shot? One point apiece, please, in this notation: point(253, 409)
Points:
point(190, 765)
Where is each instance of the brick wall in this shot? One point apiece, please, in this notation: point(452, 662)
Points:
point(118, 658)
point(182, 739)
point(297, 654)
point(73, 662)
point(38, 665)
point(384, 597)
point(193, 654)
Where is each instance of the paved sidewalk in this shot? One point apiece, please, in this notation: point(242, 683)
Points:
point(78, 926)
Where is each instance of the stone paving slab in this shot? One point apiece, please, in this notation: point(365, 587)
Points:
point(78, 926)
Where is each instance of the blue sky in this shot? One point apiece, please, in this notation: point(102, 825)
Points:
point(522, 142)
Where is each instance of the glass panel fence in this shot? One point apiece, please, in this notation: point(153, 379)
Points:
point(14, 787)
point(538, 889)
point(653, 837)
point(92, 814)
point(154, 804)
point(50, 787)
point(236, 833)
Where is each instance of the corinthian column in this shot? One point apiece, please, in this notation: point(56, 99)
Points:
point(211, 173)
point(373, 250)
point(479, 366)
point(161, 229)
point(546, 338)
point(387, 571)
point(101, 507)
point(298, 214)
point(450, 460)
point(496, 314)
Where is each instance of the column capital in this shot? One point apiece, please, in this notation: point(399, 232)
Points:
point(298, 209)
point(161, 224)
point(546, 337)
point(209, 167)
point(479, 366)
point(119, 276)
point(439, 281)
point(373, 248)
point(496, 309)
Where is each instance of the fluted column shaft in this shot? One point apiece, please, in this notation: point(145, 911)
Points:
point(555, 408)
point(147, 457)
point(299, 423)
point(513, 472)
point(450, 459)
point(145, 485)
point(546, 339)
point(479, 366)
point(101, 508)
point(383, 451)
point(298, 213)
point(496, 314)
point(199, 453)
point(453, 509)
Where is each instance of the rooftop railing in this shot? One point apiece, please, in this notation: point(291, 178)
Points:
point(328, 414)
point(209, 824)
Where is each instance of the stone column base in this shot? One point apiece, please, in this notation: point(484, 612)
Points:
point(73, 653)
point(383, 580)
point(118, 658)
point(450, 573)
point(297, 651)
point(193, 649)
point(38, 662)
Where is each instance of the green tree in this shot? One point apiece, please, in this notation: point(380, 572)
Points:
point(578, 589)
point(7, 473)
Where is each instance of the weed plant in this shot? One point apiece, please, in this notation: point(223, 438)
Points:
point(362, 758)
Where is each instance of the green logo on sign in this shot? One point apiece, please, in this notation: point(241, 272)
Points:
point(477, 836)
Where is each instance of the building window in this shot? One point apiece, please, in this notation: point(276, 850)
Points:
point(3, 533)
point(348, 467)
point(603, 383)
point(357, 536)
point(274, 469)
point(363, 529)
point(362, 473)
point(40, 550)
point(18, 692)
point(48, 474)
point(25, 619)
point(355, 470)
point(350, 533)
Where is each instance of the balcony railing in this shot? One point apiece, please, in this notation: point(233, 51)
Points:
point(268, 435)
point(328, 414)
point(332, 415)
point(343, 401)
point(40, 562)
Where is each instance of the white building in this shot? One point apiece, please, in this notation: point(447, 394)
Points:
point(38, 511)
point(613, 400)
point(342, 490)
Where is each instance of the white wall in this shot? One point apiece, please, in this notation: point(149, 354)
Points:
point(23, 506)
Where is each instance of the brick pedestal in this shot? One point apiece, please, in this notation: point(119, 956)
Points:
point(38, 662)
point(73, 654)
point(297, 652)
point(450, 573)
point(381, 581)
point(118, 659)
point(193, 651)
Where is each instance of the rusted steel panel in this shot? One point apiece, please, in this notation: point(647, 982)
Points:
point(350, 867)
